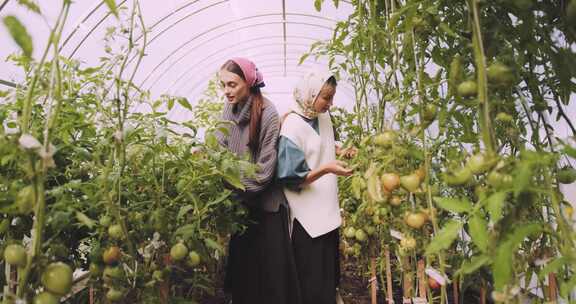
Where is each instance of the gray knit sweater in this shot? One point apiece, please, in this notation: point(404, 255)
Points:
point(260, 191)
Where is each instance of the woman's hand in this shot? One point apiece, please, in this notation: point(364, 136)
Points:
point(348, 153)
point(337, 167)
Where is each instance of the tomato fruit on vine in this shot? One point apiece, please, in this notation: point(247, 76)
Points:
point(15, 255)
point(57, 278)
point(178, 252)
point(467, 89)
point(45, 298)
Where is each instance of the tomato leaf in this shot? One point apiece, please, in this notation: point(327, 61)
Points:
point(233, 179)
point(455, 205)
point(444, 238)
point(570, 151)
point(502, 267)
point(210, 243)
point(478, 230)
point(494, 205)
point(303, 58)
point(503, 260)
point(318, 5)
point(552, 267)
point(19, 34)
point(186, 231)
point(31, 5)
point(184, 209)
point(567, 287)
point(85, 220)
point(184, 102)
point(112, 7)
point(473, 265)
point(522, 177)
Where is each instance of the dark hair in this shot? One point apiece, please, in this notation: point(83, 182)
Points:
point(257, 105)
point(332, 81)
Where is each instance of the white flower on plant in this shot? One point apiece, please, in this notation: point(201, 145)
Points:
point(29, 142)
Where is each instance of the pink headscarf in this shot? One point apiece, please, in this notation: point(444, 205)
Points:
point(254, 77)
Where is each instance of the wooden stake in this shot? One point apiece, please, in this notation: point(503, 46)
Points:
point(407, 278)
point(422, 281)
point(373, 281)
point(455, 289)
point(389, 293)
point(165, 285)
point(91, 294)
point(482, 294)
point(552, 288)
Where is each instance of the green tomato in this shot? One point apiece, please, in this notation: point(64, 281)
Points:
point(415, 220)
point(370, 230)
point(114, 295)
point(112, 273)
point(567, 175)
point(46, 298)
point(504, 117)
point(410, 182)
point(194, 258)
point(460, 177)
point(500, 75)
point(360, 235)
point(57, 278)
point(95, 270)
point(115, 232)
point(15, 255)
point(158, 275)
point(4, 226)
point(178, 252)
point(467, 89)
point(385, 139)
point(105, 220)
point(350, 232)
point(429, 113)
point(477, 163)
point(25, 200)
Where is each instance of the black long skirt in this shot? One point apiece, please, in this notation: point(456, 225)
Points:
point(261, 267)
point(318, 265)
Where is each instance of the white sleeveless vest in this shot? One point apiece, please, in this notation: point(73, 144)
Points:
point(315, 206)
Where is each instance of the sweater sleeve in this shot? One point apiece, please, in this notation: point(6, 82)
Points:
point(266, 161)
point(292, 168)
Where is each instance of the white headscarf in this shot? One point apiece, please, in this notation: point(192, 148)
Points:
point(307, 91)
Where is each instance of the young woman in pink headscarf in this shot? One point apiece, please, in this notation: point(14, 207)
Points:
point(261, 268)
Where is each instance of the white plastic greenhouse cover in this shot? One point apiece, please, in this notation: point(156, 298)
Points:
point(189, 40)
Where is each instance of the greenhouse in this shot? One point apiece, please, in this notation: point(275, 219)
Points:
point(287, 151)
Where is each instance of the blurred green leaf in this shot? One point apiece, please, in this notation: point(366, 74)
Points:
point(445, 237)
point(19, 34)
point(112, 7)
point(456, 205)
point(478, 230)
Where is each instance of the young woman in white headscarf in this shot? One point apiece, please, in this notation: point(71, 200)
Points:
point(260, 268)
point(308, 170)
